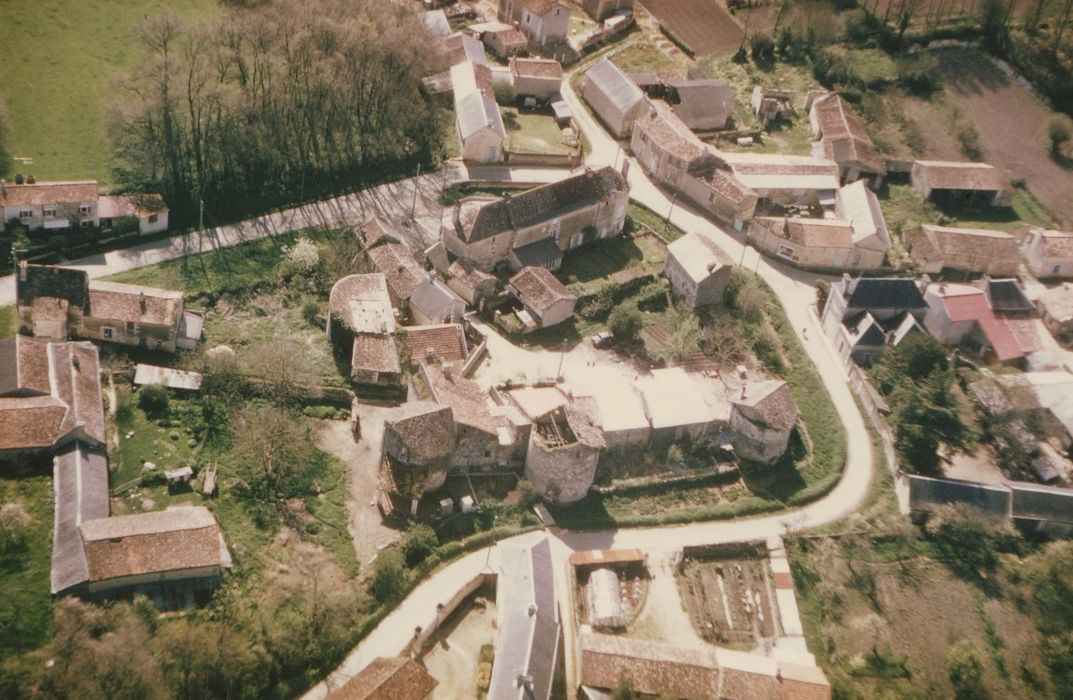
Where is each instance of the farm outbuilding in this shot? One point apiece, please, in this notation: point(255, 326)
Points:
point(615, 99)
point(1049, 254)
point(980, 251)
point(971, 184)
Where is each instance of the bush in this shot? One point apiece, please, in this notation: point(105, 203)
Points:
point(919, 75)
point(823, 290)
point(154, 400)
point(389, 576)
point(762, 47)
point(653, 296)
point(625, 322)
point(526, 494)
point(965, 670)
point(600, 305)
point(1059, 131)
point(420, 541)
point(311, 312)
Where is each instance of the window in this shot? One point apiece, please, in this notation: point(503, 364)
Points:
point(130, 327)
point(83, 210)
point(106, 333)
point(554, 226)
point(1057, 269)
point(152, 218)
point(48, 213)
point(25, 214)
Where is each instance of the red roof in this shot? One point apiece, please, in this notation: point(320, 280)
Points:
point(1001, 339)
point(970, 306)
point(975, 307)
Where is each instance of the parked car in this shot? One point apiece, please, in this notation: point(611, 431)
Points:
point(601, 339)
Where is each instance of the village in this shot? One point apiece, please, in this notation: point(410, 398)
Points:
point(551, 420)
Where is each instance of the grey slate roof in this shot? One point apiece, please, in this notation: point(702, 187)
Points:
point(703, 100)
point(609, 79)
point(884, 293)
point(926, 493)
point(1038, 502)
point(80, 482)
point(1006, 295)
point(477, 111)
point(52, 281)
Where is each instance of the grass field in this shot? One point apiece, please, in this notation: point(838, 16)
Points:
point(57, 61)
point(530, 132)
point(26, 615)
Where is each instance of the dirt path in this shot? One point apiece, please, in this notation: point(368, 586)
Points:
point(1012, 125)
point(363, 460)
point(663, 616)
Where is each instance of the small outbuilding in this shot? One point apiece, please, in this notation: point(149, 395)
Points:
point(972, 184)
point(1049, 254)
point(615, 99)
point(761, 420)
point(544, 297)
point(697, 269)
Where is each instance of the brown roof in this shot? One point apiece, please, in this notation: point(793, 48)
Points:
point(651, 668)
point(818, 233)
point(511, 36)
point(185, 537)
point(607, 557)
point(537, 287)
point(375, 353)
point(66, 380)
point(388, 678)
point(468, 402)
point(402, 271)
point(139, 205)
point(942, 241)
point(1057, 244)
point(129, 302)
point(541, 7)
point(949, 175)
point(52, 281)
point(536, 68)
point(770, 401)
point(468, 274)
point(425, 429)
point(803, 683)
point(844, 135)
point(669, 133)
point(376, 230)
point(42, 193)
point(446, 342)
point(49, 309)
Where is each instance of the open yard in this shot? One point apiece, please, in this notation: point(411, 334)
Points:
point(460, 644)
point(58, 60)
point(533, 132)
point(704, 25)
point(617, 260)
point(1012, 126)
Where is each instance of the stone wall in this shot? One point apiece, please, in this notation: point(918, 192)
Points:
point(560, 474)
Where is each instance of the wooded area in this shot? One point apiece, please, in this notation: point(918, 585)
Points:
point(269, 106)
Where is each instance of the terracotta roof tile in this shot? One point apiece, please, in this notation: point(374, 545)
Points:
point(536, 68)
point(843, 134)
point(443, 342)
point(538, 288)
point(41, 193)
point(131, 303)
point(770, 401)
point(468, 402)
point(402, 271)
point(375, 353)
point(426, 430)
point(388, 678)
point(952, 175)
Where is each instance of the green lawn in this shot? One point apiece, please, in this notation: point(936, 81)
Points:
point(58, 58)
point(530, 132)
point(26, 615)
point(9, 321)
point(638, 214)
point(614, 260)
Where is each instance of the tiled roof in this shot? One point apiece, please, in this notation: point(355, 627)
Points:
point(459, 48)
point(703, 99)
point(42, 193)
point(425, 429)
point(966, 305)
point(950, 175)
point(669, 133)
point(362, 303)
point(436, 300)
point(540, 7)
point(510, 37)
point(844, 135)
point(80, 484)
point(536, 68)
point(1058, 302)
point(402, 272)
point(1057, 244)
point(468, 402)
point(52, 281)
point(184, 537)
point(650, 667)
point(375, 353)
point(128, 302)
point(388, 678)
point(140, 205)
point(444, 342)
point(468, 274)
point(978, 243)
point(770, 401)
point(819, 233)
point(698, 255)
point(376, 230)
point(538, 288)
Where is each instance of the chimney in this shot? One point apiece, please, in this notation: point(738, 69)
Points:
point(141, 301)
point(74, 362)
point(31, 179)
point(19, 179)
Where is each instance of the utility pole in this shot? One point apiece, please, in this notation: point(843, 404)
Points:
point(670, 211)
point(562, 355)
point(744, 245)
point(413, 207)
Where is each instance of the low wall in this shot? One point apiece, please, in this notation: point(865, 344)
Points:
point(547, 160)
point(443, 611)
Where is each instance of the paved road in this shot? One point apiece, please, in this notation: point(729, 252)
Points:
point(796, 294)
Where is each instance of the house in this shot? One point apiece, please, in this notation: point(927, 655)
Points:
point(958, 313)
point(174, 556)
point(539, 78)
point(841, 136)
point(389, 678)
point(863, 315)
point(1049, 254)
point(703, 104)
point(761, 420)
point(965, 184)
point(49, 205)
point(1054, 391)
point(58, 302)
point(783, 179)
point(547, 300)
point(489, 233)
point(471, 284)
point(443, 343)
point(770, 105)
point(863, 337)
point(671, 154)
point(527, 639)
point(545, 22)
point(477, 118)
point(613, 97)
point(505, 41)
point(361, 324)
point(935, 248)
point(616, 407)
point(1006, 296)
point(856, 239)
point(461, 48)
point(149, 210)
point(1056, 309)
point(419, 442)
point(483, 440)
point(676, 407)
point(600, 10)
point(434, 302)
point(402, 272)
point(377, 230)
point(697, 269)
point(50, 395)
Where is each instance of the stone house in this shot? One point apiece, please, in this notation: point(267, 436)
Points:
point(540, 78)
point(894, 306)
point(361, 324)
point(1049, 254)
point(864, 338)
point(600, 10)
point(437, 343)
point(935, 248)
point(563, 453)
point(478, 121)
point(50, 205)
point(544, 22)
point(395, 677)
point(1056, 309)
point(613, 97)
point(471, 284)
point(57, 303)
point(761, 420)
point(434, 302)
point(840, 135)
point(461, 48)
point(698, 270)
point(546, 300)
point(505, 41)
point(418, 448)
point(703, 104)
point(958, 312)
point(784, 179)
point(489, 233)
point(483, 440)
point(402, 272)
point(971, 184)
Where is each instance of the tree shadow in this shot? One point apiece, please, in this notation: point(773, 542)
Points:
point(781, 480)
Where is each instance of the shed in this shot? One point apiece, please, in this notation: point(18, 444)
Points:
point(615, 99)
point(166, 376)
point(605, 599)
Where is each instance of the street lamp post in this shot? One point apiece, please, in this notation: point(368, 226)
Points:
point(674, 198)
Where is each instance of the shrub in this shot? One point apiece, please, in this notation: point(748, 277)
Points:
point(762, 47)
point(653, 296)
point(625, 321)
point(1059, 131)
point(419, 543)
point(965, 670)
point(600, 305)
point(154, 400)
point(311, 312)
point(823, 290)
point(526, 494)
point(389, 576)
point(303, 255)
point(919, 75)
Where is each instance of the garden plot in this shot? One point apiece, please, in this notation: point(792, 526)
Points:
point(703, 25)
point(731, 600)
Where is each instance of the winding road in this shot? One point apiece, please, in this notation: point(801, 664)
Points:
point(794, 290)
